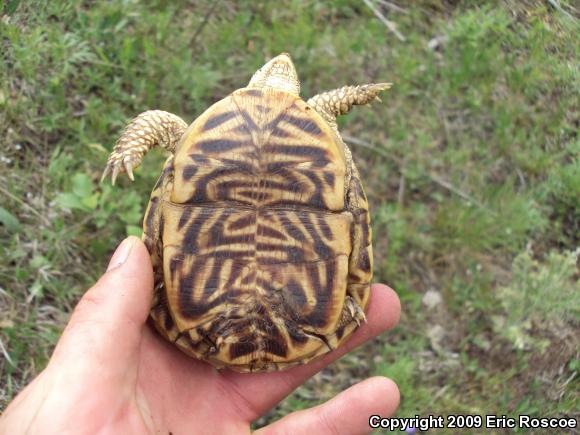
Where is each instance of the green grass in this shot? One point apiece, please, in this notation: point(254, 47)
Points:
point(470, 164)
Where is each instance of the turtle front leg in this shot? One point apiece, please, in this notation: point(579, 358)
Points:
point(148, 130)
point(339, 101)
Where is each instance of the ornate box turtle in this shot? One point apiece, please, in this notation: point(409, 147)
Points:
point(258, 227)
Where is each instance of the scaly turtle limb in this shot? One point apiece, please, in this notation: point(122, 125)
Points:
point(148, 130)
point(339, 101)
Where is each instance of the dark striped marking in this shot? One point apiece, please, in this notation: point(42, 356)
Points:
point(220, 145)
point(328, 178)
point(292, 229)
point(243, 222)
point(340, 331)
point(218, 238)
point(234, 184)
point(326, 232)
point(284, 187)
point(252, 194)
point(294, 253)
point(304, 124)
point(200, 194)
point(314, 281)
point(189, 171)
point(235, 272)
point(249, 121)
point(269, 247)
point(365, 236)
point(190, 308)
point(316, 199)
point(242, 128)
point(279, 132)
point(168, 321)
point(190, 238)
point(240, 349)
point(174, 263)
point(276, 167)
point(218, 120)
point(270, 232)
point(364, 262)
point(296, 295)
point(153, 207)
point(229, 254)
point(250, 277)
point(161, 226)
point(276, 347)
point(184, 218)
point(248, 167)
point(199, 158)
point(297, 150)
point(320, 314)
point(212, 284)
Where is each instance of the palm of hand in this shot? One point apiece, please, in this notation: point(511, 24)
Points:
point(111, 373)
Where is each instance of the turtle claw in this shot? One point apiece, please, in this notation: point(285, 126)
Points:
point(363, 317)
point(129, 170)
point(115, 174)
point(105, 173)
point(383, 86)
point(355, 311)
point(119, 163)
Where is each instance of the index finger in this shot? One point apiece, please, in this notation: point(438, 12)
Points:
point(261, 391)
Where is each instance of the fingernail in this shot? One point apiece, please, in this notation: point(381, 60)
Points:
point(122, 253)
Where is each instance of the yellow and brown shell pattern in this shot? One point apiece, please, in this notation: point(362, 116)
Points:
point(260, 238)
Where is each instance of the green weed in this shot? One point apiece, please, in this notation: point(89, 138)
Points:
point(540, 295)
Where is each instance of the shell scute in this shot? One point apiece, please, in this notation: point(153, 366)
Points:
point(237, 152)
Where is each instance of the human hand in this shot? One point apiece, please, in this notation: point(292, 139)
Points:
point(110, 373)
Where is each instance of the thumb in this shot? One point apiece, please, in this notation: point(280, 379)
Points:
point(107, 323)
point(349, 412)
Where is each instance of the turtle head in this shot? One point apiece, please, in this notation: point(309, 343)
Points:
point(278, 73)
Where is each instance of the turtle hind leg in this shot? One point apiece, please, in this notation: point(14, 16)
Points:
point(351, 317)
point(356, 312)
point(148, 130)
